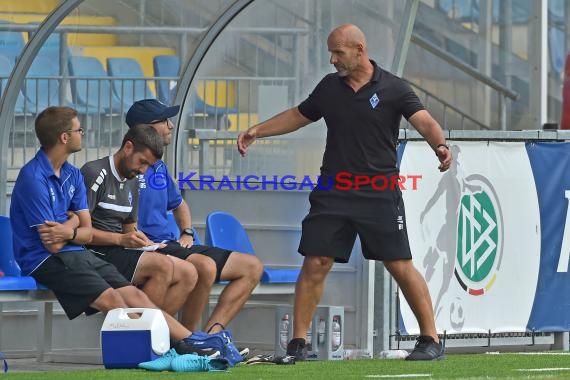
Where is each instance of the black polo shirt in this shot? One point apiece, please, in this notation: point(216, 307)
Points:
point(362, 126)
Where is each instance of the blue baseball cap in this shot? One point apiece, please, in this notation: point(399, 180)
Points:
point(149, 110)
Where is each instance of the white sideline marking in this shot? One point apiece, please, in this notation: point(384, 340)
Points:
point(404, 375)
point(541, 369)
point(544, 353)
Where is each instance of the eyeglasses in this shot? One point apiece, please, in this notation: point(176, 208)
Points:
point(79, 130)
point(160, 121)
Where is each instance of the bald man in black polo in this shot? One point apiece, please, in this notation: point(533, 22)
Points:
point(362, 105)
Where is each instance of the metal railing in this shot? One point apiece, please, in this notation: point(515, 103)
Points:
point(447, 108)
point(105, 127)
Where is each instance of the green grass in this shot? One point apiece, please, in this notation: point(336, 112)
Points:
point(473, 366)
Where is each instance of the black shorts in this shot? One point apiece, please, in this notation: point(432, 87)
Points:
point(77, 279)
point(334, 220)
point(219, 255)
point(124, 259)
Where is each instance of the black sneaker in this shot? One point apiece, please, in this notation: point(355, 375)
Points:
point(427, 349)
point(297, 348)
point(244, 352)
point(184, 347)
point(271, 359)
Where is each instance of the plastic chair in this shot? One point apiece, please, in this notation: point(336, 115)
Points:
point(128, 90)
point(223, 230)
point(169, 66)
point(11, 43)
point(556, 49)
point(8, 264)
point(41, 93)
point(199, 105)
point(165, 66)
point(92, 95)
point(51, 47)
point(6, 66)
point(13, 279)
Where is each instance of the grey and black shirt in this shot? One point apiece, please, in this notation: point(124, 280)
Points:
point(112, 201)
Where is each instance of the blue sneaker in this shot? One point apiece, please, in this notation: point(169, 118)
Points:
point(195, 363)
point(187, 346)
point(162, 363)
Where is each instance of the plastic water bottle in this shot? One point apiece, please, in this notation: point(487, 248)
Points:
point(336, 333)
point(284, 331)
point(321, 332)
point(310, 337)
point(394, 354)
point(356, 353)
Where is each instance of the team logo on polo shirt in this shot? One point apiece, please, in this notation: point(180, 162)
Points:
point(71, 191)
point(130, 198)
point(374, 100)
point(142, 182)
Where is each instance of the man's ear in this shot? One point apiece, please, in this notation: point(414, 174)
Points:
point(64, 137)
point(128, 147)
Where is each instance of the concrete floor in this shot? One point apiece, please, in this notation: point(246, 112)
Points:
point(31, 365)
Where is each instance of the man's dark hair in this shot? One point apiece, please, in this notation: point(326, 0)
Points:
point(145, 137)
point(51, 123)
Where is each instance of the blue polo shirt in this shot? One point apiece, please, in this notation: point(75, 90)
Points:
point(158, 194)
point(40, 195)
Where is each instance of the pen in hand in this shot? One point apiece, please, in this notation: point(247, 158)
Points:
point(142, 236)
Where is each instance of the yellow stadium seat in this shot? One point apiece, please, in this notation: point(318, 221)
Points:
point(28, 6)
point(218, 93)
point(242, 121)
point(88, 39)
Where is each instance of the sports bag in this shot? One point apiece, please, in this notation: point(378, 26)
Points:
point(221, 341)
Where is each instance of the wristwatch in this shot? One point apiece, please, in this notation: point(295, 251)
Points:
point(188, 231)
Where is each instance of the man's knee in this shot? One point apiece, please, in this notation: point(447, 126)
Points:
point(134, 297)
point(185, 272)
point(399, 268)
point(156, 266)
point(254, 267)
point(206, 268)
point(108, 300)
point(318, 264)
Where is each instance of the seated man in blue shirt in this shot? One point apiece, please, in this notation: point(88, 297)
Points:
point(51, 222)
point(243, 271)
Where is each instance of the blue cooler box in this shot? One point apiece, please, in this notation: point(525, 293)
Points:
point(126, 341)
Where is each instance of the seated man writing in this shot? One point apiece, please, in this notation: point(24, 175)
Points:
point(113, 198)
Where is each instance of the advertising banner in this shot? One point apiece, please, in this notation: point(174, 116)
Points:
point(489, 236)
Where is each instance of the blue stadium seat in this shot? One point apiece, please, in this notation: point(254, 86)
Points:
point(165, 66)
point(223, 230)
point(12, 280)
point(173, 227)
point(44, 92)
point(91, 95)
point(51, 47)
point(128, 90)
point(11, 43)
point(6, 66)
point(468, 10)
point(556, 50)
point(169, 66)
point(199, 106)
point(556, 10)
